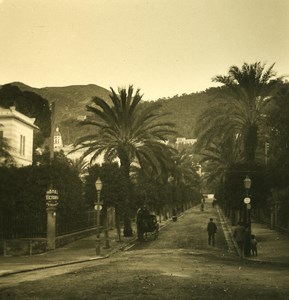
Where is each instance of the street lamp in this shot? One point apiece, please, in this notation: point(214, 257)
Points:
point(247, 183)
point(98, 207)
point(247, 202)
point(247, 199)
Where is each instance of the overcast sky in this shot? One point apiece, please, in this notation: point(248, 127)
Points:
point(164, 47)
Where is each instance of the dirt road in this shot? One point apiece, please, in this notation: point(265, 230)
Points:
point(178, 265)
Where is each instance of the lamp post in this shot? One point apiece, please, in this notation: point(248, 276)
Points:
point(247, 202)
point(98, 207)
point(247, 199)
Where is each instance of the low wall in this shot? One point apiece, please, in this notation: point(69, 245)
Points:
point(71, 237)
point(24, 247)
point(21, 247)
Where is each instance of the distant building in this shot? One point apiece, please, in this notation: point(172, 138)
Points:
point(81, 118)
point(57, 142)
point(185, 141)
point(18, 130)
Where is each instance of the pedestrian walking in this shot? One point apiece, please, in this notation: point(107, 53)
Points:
point(202, 206)
point(239, 236)
point(212, 230)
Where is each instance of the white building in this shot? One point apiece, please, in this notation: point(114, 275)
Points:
point(185, 141)
point(57, 143)
point(18, 130)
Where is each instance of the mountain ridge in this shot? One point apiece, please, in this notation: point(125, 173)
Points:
point(70, 107)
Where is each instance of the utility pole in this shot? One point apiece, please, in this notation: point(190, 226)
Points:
point(52, 105)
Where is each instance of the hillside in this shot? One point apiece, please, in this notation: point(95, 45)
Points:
point(71, 104)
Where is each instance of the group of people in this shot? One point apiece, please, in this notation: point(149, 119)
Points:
point(246, 241)
point(214, 203)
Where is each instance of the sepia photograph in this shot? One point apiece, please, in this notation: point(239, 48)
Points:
point(144, 149)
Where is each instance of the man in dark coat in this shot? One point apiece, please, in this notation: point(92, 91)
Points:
point(212, 230)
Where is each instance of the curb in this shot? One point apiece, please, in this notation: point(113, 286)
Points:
point(126, 246)
point(227, 229)
point(233, 247)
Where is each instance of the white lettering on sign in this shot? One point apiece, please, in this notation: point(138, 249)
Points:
point(50, 191)
point(52, 197)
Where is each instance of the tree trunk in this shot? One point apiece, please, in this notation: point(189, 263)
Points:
point(250, 142)
point(117, 219)
point(106, 235)
point(127, 230)
point(125, 167)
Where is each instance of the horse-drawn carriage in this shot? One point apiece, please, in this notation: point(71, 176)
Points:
point(147, 225)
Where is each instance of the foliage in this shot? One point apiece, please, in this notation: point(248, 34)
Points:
point(155, 190)
point(125, 131)
point(31, 105)
point(5, 157)
point(112, 193)
point(238, 110)
point(279, 139)
point(216, 159)
point(22, 190)
point(235, 190)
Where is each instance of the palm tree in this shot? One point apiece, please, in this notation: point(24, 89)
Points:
point(127, 131)
point(240, 107)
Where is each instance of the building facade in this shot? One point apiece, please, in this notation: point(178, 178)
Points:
point(18, 130)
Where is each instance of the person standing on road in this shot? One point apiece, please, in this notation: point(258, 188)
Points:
point(240, 235)
point(212, 230)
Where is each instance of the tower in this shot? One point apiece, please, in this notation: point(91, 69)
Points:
point(58, 145)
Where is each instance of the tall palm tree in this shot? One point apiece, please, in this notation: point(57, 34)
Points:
point(238, 110)
point(218, 158)
point(127, 131)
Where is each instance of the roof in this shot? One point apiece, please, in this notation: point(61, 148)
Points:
point(8, 113)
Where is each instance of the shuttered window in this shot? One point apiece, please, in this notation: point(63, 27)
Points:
point(22, 145)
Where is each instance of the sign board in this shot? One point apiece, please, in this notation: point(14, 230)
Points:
point(247, 200)
point(52, 198)
point(96, 207)
point(248, 206)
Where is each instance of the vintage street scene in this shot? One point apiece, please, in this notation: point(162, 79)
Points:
point(179, 264)
point(144, 149)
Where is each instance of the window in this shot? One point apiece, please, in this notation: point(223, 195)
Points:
point(22, 145)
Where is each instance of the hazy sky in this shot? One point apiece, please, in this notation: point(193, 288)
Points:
point(164, 47)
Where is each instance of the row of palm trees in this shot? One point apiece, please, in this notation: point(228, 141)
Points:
point(233, 130)
point(138, 136)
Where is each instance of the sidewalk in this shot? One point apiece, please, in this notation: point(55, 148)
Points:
point(79, 251)
point(272, 247)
